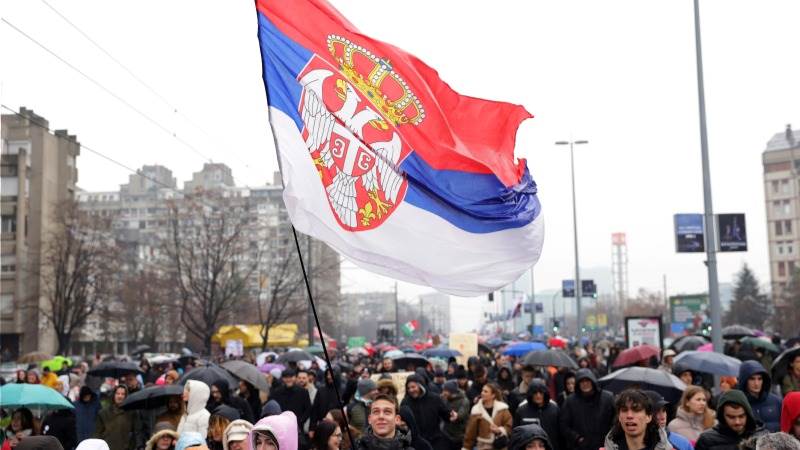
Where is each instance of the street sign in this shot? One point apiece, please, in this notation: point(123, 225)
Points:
point(568, 288)
point(732, 233)
point(689, 236)
point(588, 288)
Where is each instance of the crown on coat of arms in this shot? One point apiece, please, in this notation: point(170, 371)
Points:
point(376, 79)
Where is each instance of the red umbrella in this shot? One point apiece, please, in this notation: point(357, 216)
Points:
point(556, 342)
point(635, 354)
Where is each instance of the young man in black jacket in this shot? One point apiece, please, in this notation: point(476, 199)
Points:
point(736, 423)
point(538, 409)
point(587, 415)
point(292, 397)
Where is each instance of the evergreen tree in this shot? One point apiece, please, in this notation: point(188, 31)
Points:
point(749, 306)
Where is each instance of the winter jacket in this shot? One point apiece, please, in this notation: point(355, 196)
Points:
point(234, 401)
point(196, 416)
point(679, 442)
point(586, 417)
point(254, 399)
point(429, 410)
point(618, 443)
point(454, 431)
point(85, 414)
point(417, 441)
point(545, 416)
point(61, 425)
point(326, 398)
point(790, 411)
point(522, 435)
point(687, 424)
point(294, 399)
point(116, 427)
point(400, 441)
point(357, 412)
point(790, 384)
point(151, 443)
point(283, 427)
point(479, 432)
point(721, 436)
point(766, 406)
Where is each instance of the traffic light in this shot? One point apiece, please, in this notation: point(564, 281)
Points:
point(556, 324)
point(491, 296)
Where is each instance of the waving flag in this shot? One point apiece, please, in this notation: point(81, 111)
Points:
point(387, 164)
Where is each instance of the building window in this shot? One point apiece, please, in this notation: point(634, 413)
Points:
point(775, 186)
point(787, 226)
point(7, 304)
point(791, 268)
point(781, 269)
point(8, 268)
point(9, 223)
point(787, 207)
point(785, 186)
point(778, 228)
point(780, 249)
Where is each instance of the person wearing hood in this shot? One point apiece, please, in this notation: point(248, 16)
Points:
point(569, 388)
point(292, 397)
point(249, 393)
point(693, 416)
point(87, 406)
point(429, 410)
point(586, 415)
point(92, 444)
point(409, 424)
point(271, 408)
point(326, 398)
point(490, 421)
point(39, 443)
point(529, 437)
point(274, 433)
point(454, 430)
point(115, 425)
point(755, 382)
point(520, 392)
point(479, 379)
point(220, 394)
point(736, 423)
point(790, 414)
point(358, 409)
point(163, 438)
point(660, 415)
point(235, 435)
point(195, 416)
point(540, 410)
point(505, 380)
point(635, 427)
point(190, 439)
point(383, 432)
point(61, 425)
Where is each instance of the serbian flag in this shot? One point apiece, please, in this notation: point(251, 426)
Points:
point(384, 162)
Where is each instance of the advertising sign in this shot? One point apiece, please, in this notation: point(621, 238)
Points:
point(466, 343)
point(691, 311)
point(643, 330)
point(588, 288)
point(234, 347)
point(689, 236)
point(732, 233)
point(602, 320)
point(568, 288)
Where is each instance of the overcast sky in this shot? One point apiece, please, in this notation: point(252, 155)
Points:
point(620, 74)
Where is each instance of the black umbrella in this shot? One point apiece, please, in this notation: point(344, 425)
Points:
point(247, 372)
point(152, 397)
point(115, 369)
point(792, 342)
point(737, 332)
point(666, 384)
point(780, 367)
point(689, 343)
point(140, 349)
point(208, 375)
point(551, 357)
point(295, 356)
point(417, 360)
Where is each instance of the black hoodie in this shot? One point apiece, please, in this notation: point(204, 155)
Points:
point(326, 398)
point(721, 436)
point(545, 416)
point(584, 420)
point(429, 411)
point(235, 402)
point(417, 441)
point(523, 435)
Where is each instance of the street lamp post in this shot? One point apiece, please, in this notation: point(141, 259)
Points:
point(578, 292)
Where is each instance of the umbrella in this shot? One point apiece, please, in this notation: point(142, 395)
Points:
point(791, 342)
point(780, 367)
point(666, 384)
point(444, 353)
point(706, 347)
point(401, 362)
point(483, 348)
point(557, 342)
point(32, 396)
point(737, 332)
point(495, 342)
point(140, 349)
point(314, 349)
point(552, 357)
point(56, 363)
point(523, 348)
point(152, 397)
point(247, 372)
point(358, 351)
point(295, 356)
point(709, 362)
point(34, 357)
point(690, 342)
point(393, 354)
point(208, 375)
point(161, 359)
point(636, 354)
point(115, 369)
point(762, 344)
point(268, 367)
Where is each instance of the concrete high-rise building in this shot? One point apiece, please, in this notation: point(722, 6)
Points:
point(781, 160)
point(38, 174)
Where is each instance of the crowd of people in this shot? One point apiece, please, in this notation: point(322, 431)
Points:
point(493, 402)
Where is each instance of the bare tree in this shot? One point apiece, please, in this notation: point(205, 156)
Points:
point(209, 253)
point(145, 302)
point(76, 269)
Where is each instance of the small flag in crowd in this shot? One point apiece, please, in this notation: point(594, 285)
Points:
point(410, 327)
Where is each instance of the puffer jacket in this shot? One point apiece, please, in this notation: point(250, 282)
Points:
point(766, 406)
point(662, 443)
point(546, 416)
point(283, 427)
point(722, 437)
point(196, 416)
point(687, 424)
point(479, 427)
point(400, 441)
point(586, 417)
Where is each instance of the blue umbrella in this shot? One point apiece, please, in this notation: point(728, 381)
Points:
point(444, 353)
point(33, 396)
point(494, 342)
point(708, 362)
point(523, 348)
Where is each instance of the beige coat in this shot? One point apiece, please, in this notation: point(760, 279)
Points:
point(479, 425)
point(687, 424)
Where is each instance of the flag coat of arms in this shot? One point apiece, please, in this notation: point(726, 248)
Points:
point(383, 161)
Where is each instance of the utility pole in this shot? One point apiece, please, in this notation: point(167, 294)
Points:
point(396, 317)
point(310, 314)
point(533, 304)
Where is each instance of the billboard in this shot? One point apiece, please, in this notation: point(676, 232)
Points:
point(568, 288)
point(732, 233)
point(588, 288)
point(689, 236)
point(688, 313)
point(643, 330)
